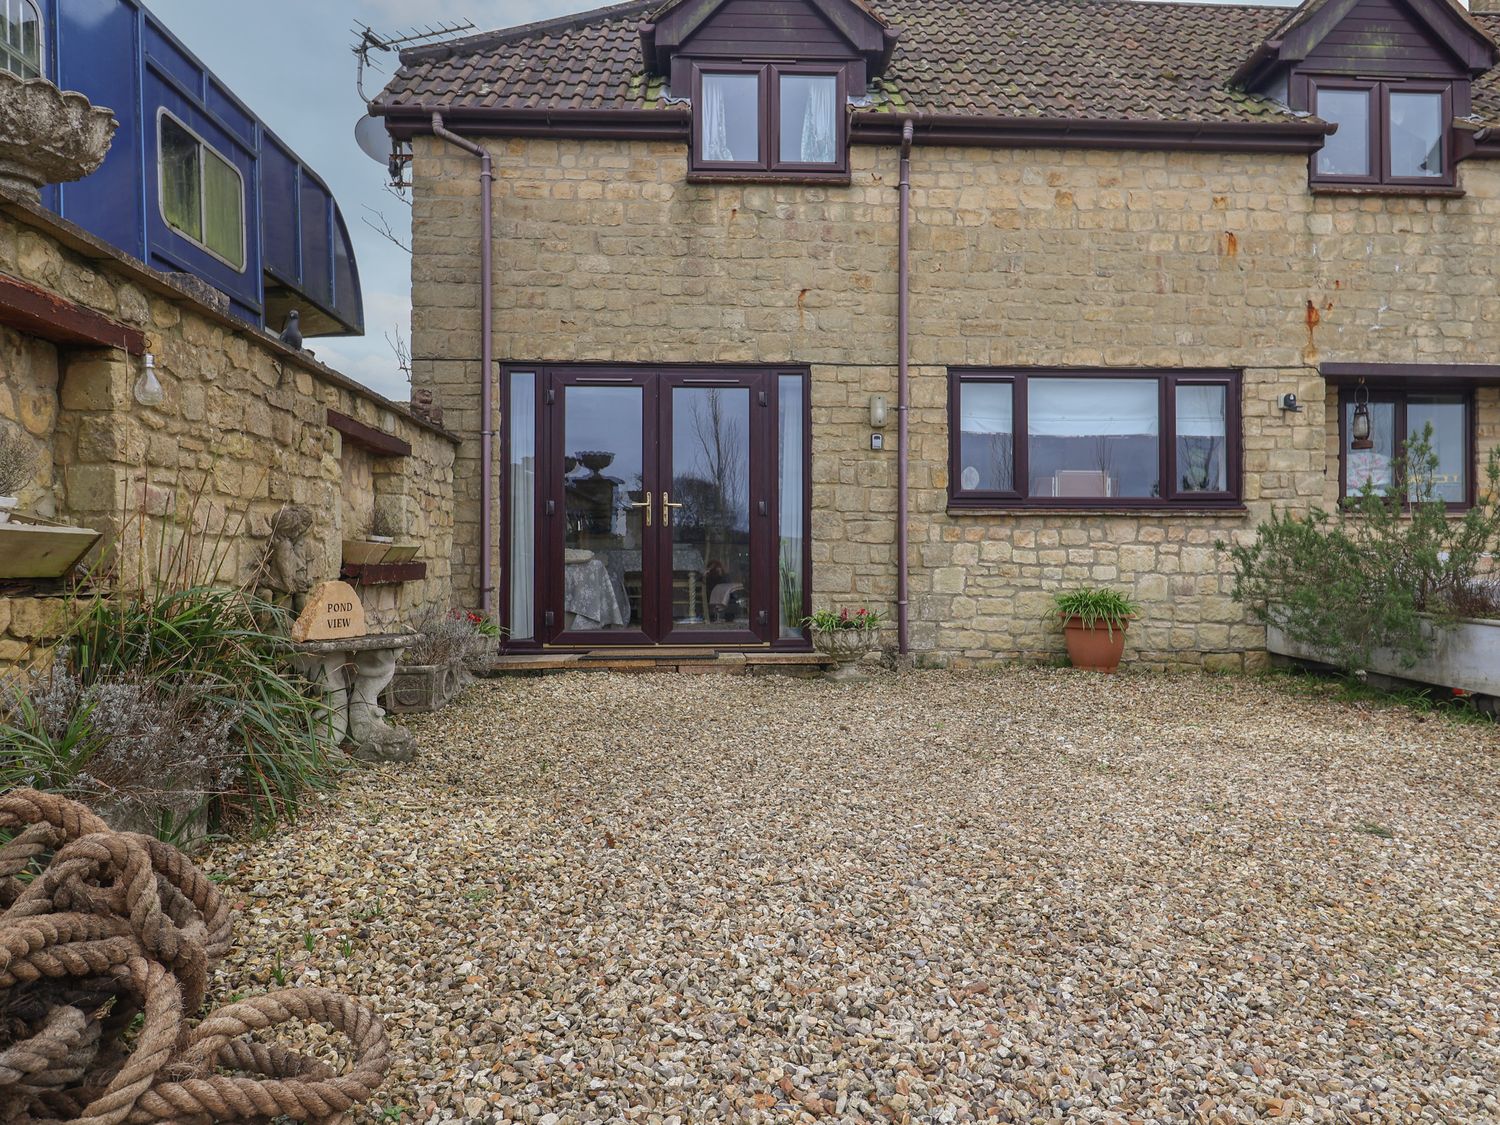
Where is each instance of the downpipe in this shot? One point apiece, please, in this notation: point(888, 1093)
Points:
point(903, 399)
point(487, 600)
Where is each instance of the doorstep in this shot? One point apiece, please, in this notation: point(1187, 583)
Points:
point(643, 661)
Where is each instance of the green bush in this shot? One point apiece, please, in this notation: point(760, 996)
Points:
point(1370, 574)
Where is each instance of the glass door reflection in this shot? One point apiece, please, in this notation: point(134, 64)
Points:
point(708, 588)
point(606, 509)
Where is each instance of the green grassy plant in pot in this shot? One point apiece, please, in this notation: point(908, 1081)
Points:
point(1094, 624)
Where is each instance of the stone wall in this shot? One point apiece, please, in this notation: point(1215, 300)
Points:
point(1028, 258)
point(241, 432)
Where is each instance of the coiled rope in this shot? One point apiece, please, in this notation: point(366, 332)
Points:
point(106, 943)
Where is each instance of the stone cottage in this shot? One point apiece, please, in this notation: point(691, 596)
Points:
point(748, 306)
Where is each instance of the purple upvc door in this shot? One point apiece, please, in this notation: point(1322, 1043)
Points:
point(658, 513)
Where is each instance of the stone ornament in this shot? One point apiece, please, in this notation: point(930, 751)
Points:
point(287, 562)
point(333, 612)
point(48, 136)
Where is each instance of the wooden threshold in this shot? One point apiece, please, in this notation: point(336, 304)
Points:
point(687, 661)
point(670, 654)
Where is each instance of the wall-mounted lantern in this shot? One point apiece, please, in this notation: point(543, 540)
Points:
point(1359, 430)
point(878, 412)
point(148, 388)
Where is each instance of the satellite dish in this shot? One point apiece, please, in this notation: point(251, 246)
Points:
point(373, 140)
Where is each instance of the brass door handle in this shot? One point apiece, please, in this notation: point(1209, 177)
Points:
point(646, 503)
point(666, 509)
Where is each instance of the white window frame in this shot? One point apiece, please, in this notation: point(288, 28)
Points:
point(41, 37)
point(161, 194)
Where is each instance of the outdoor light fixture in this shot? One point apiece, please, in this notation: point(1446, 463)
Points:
point(148, 389)
point(1359, 430)
point(878, 411)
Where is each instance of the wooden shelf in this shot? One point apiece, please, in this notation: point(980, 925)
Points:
point(383, 574)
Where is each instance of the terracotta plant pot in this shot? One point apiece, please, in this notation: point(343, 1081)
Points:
point(1094, 650)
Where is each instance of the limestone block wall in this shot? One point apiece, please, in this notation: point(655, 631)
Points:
point(1030, 258)
point(242, 429)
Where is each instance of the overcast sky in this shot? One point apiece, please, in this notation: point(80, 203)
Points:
point(293, 66)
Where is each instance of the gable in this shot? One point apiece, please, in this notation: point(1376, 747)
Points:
point(768, 28)
point(802, 30)
point(1397, 38)
point(1381, 36)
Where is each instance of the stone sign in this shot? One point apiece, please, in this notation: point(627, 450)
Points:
point(333, 613)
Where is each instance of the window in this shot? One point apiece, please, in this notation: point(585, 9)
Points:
point(202, 194)
point(21, 38)
point(1394, 413)
point(777, 119)
point(1389, 133)
point(1093, 439)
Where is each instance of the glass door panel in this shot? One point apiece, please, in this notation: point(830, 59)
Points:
point(708, 510)
point(606, 508)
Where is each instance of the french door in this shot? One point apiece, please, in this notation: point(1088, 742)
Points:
point(658, 508)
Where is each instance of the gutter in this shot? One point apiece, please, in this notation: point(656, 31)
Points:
point(903, 398)
point(877, 127)
point(487, 360)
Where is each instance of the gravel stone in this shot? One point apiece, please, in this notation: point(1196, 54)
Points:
point(1022, 896)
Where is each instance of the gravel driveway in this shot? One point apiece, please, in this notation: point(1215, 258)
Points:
point(1025, 896)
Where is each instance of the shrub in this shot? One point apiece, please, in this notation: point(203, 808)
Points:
point(446, 638)
point(150, 756)
point(1374, 574)
point(230, 650)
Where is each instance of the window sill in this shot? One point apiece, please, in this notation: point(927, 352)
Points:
point(1444, 192)
point(1149, 510)
point(826, 179)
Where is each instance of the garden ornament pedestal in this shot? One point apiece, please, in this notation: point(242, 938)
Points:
point(48, 136)
point(352, 674)
point(847, 648)
point(351, 668)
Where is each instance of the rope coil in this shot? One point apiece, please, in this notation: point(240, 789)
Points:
point(107, 940)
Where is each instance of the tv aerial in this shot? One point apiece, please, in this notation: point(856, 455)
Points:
point(368, 42)
point(369, 131)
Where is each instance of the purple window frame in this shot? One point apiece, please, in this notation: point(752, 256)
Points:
point(1398, 397)
point(1171, 498)
point(1380, 91)
point(770, 165)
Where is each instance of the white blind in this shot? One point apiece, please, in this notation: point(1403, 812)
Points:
point(1092, 407)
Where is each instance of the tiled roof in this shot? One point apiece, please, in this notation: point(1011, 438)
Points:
point(1092, 59)
point(1487, 87)
point(1086, 59)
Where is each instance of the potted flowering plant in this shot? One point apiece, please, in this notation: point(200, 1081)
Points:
point(487, 649)
point(845, 637)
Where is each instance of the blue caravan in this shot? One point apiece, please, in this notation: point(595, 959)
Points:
point(195, 183)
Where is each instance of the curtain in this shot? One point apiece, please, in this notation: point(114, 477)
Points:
point(793, 517)
point(223, 209)
point(818, 123)
point(715, 121)
point(522, 506)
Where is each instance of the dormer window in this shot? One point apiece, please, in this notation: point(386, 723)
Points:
point(1390, 133)
point(769, 121)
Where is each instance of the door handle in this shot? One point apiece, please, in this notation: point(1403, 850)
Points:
point(646, 503)
point(666, 509)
